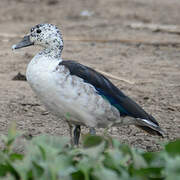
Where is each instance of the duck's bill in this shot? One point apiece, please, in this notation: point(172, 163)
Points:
point(24, 43)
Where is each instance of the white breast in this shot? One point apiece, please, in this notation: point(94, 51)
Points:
point(68, 96)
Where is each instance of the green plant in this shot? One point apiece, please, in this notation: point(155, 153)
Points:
point(51, 158)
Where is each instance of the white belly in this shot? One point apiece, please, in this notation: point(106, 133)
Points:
point(68, 96)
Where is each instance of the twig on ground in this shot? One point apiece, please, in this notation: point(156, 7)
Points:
point(156, 27)
point(114, 77)
point(111, 76)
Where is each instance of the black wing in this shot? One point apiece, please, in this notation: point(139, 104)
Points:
point(104, 87)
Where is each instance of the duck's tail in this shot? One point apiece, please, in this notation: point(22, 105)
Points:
point(150, 127)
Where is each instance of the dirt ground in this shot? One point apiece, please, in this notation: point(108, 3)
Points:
point(154, 69)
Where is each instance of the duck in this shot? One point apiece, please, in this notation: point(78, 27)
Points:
point(75, 93)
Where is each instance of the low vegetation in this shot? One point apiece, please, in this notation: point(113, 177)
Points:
point(51, 158)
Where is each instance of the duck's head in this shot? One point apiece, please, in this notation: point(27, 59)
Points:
point(45, 35)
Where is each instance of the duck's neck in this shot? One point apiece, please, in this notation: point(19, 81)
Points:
point(52, 52)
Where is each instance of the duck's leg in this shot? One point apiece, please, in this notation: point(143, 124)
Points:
point(92, 131)
point(77, 132)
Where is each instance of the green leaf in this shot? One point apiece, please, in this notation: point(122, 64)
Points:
point(172, 167)
point(86, 165)
point(63, 165)
point(12, 134)
point(115, 159)
point(148, 172)
point(52, 142)
point(43, 153)
point(90, 141)
point(12, 131)
point(138, 160)
point(95, 151)
point(149, 156)
point(4, 169)
point(15, 156)
point(77, 176)
point(125, 149)
point(3, 157)
point(37, 170)
point(173, 148)
point(115, 143)
point(12, 170)
point(103, 173)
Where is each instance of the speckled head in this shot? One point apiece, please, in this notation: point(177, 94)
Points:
point(45, 35)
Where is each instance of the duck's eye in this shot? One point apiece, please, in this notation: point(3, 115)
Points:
point(38, 31)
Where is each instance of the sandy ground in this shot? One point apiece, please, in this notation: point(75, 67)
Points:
point(155, 70)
